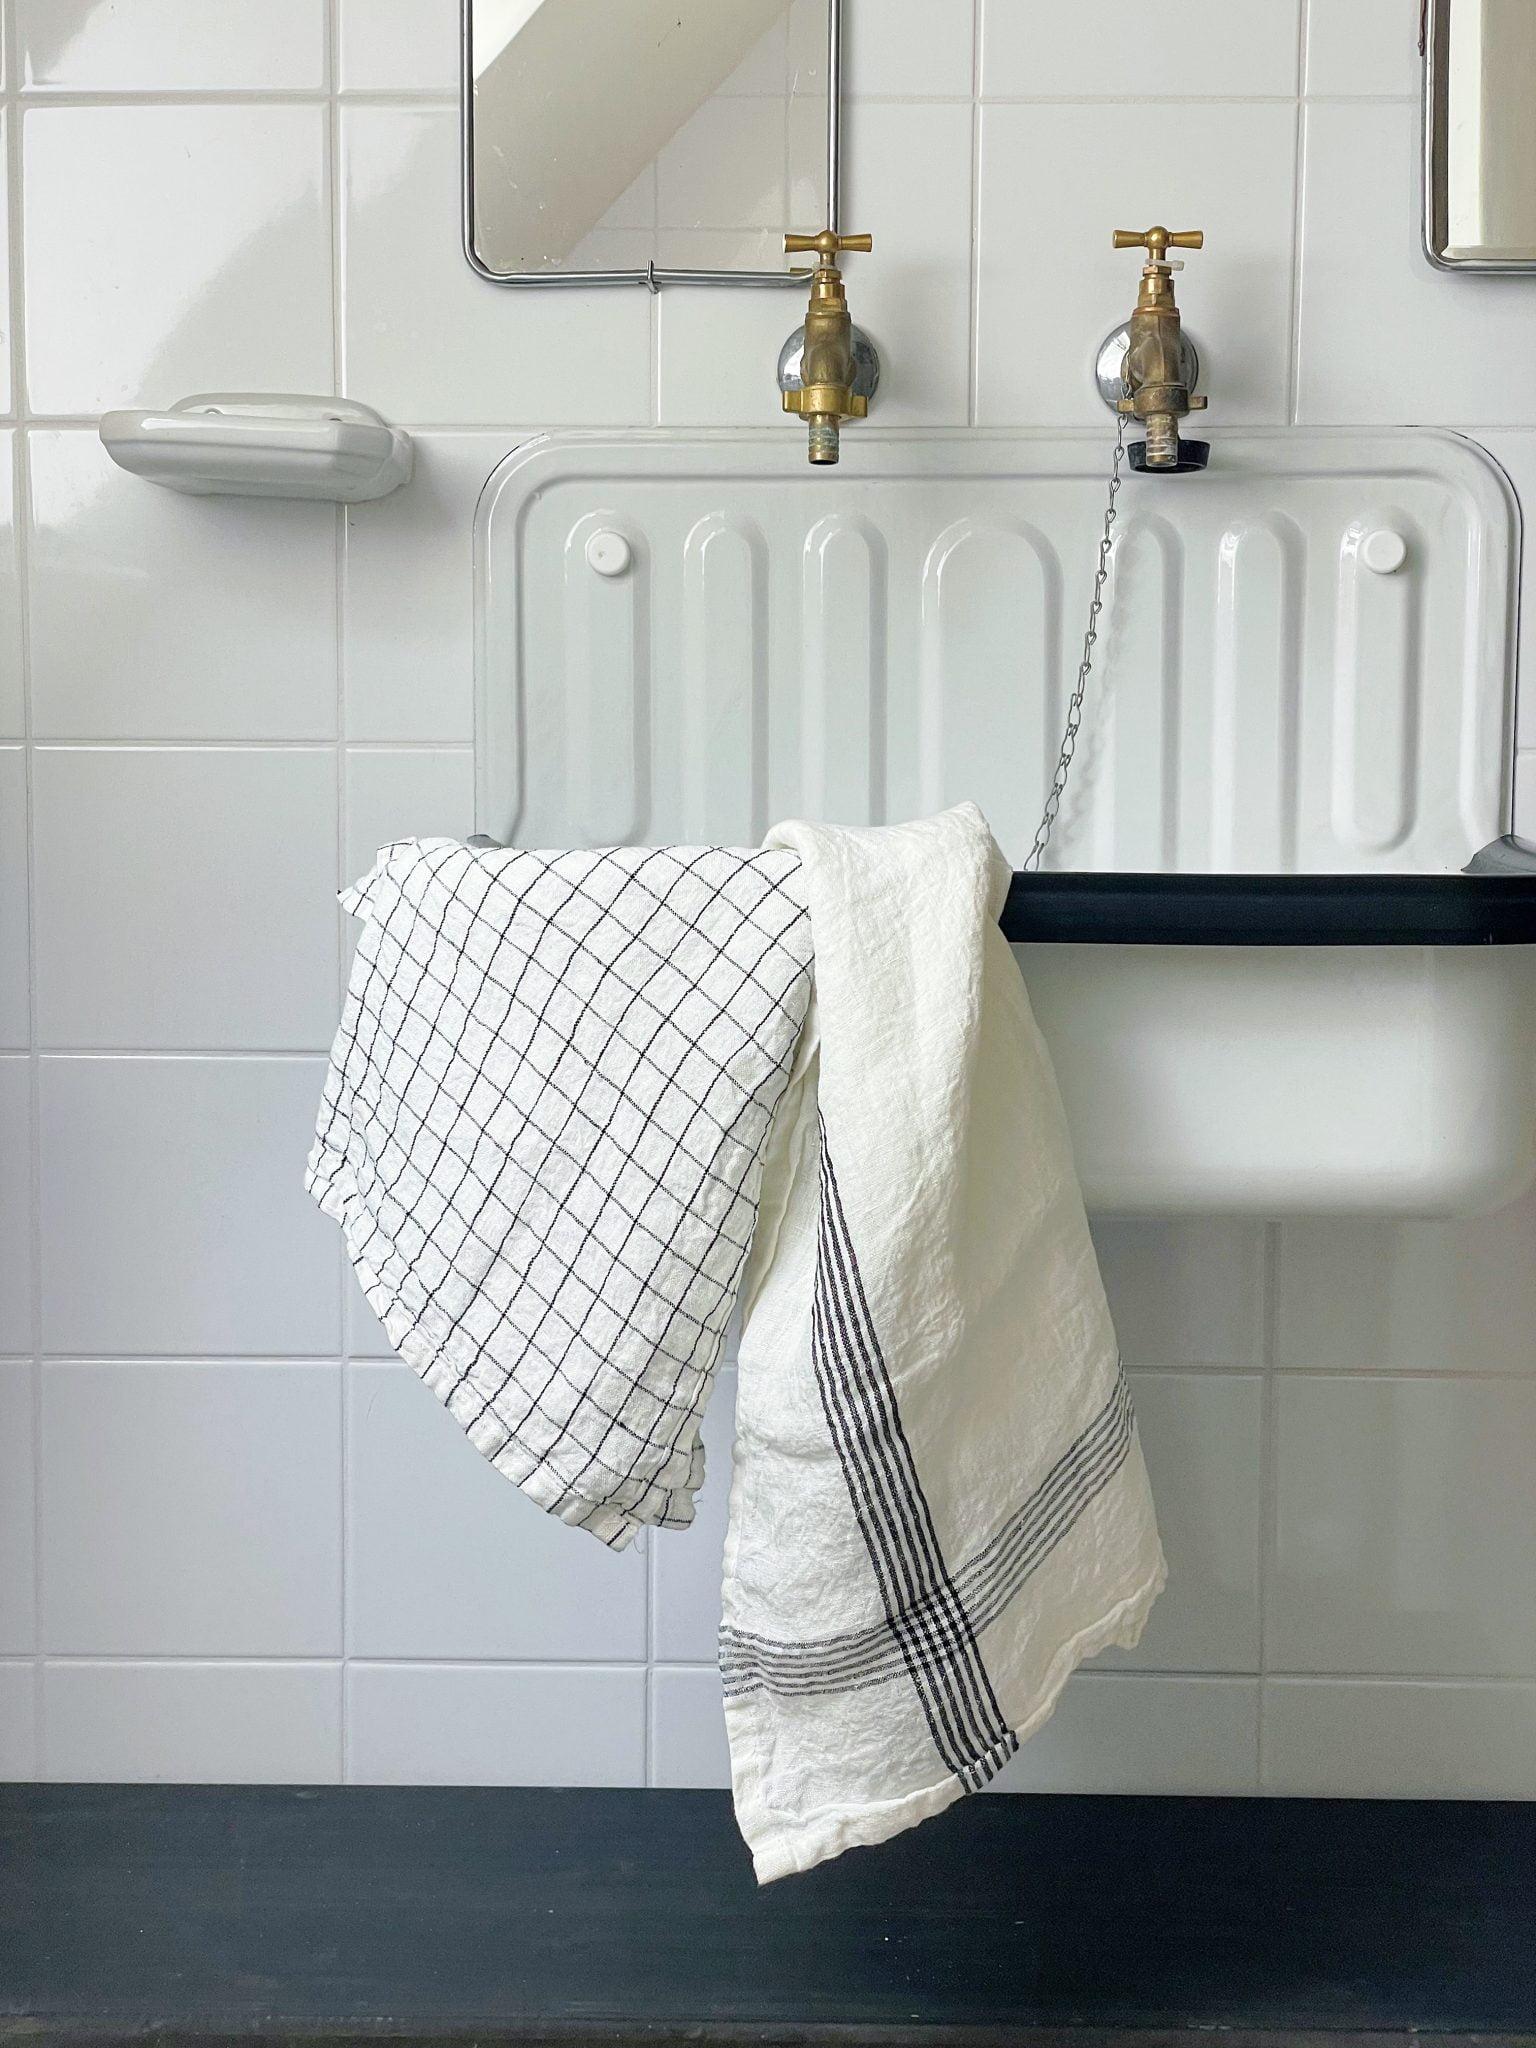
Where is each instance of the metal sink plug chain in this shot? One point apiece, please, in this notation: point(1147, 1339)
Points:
point(1084, 668)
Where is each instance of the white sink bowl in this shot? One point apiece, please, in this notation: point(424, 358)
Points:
point(1395, 1075)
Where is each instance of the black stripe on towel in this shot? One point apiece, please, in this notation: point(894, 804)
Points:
point(985, 1584)
point(926, 1621)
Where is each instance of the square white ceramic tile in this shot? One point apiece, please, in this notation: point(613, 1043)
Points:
point(446, 1559)
point(15, 974)
point(1456, 1296)
point(1364, 47)
point(1132, 1733)
point(912, 49)
point(16, 1220)
point(18, 1613)
point(1382, 336)
point(406, 793)
point(1202, 1434)
point(12, 715)
point(172, 249)
point(1185, 1293)
point(173, 1215)
point(7, 382)
point(408, 595)
point(192, 1724)
point(191, 1509)
point(688, 1742)
point(159, 616)
point(1404, 1537)
point(494, 1724)
point(717, 351)
point(399, 45)
point(1036, 368)
point(1365, 1739)
point(18, 1722)
point(171, 45)
point(426, 339)
point(185, 897)
point(907, 182)
point(1136, 49)
point(687, 1563)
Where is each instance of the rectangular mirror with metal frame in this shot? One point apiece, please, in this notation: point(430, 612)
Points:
point(1480, 134)
point(647, 141)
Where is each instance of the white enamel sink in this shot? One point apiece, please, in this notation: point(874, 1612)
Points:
point(1273, 1045)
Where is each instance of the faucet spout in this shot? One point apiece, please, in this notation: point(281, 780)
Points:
point(824, 371)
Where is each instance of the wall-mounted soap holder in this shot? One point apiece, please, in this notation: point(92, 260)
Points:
point(262, 445)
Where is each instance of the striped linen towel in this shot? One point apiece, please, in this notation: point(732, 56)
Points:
point(580, 1103)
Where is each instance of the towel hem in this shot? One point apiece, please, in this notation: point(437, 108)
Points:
point(783, 1853)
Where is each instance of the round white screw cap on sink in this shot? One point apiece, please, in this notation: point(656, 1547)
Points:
point(609, 553)
point(1384, 551)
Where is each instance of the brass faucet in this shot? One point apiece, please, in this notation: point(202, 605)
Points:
point(833, 362)
point(1160, 362)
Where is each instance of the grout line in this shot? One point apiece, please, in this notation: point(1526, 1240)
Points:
point(523, 1664)
point(653, 344)
point(1298, 189)
point(1141, 1370)
point(336, 229)
point(1119, 1675)
point(84, 422)
point(181, 745)
point(22, 514)
point(410, 747)
point(973, 351)
point(282, 1660)
point(306, 1361)
point(446, 96)
point(233, 96)
point(1268, 1458)
point(1478, 1681)
point(648, 1690)
point(1359, 1376)
point(60, 1053)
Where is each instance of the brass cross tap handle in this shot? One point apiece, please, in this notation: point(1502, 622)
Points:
point(1158, 241)
point(827, 244)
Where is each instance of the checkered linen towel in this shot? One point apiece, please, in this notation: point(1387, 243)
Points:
point(580, 1101)
point(542, 1133)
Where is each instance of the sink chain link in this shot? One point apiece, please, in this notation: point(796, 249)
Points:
point(1085, 666)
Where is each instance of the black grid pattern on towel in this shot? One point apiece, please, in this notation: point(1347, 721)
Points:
point(927, 1626)
point(543, 1128)
point(985, 1584)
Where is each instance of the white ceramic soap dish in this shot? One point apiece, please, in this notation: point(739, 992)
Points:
point(262, 445)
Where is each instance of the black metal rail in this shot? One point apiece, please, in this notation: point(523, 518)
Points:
point(1271, 910)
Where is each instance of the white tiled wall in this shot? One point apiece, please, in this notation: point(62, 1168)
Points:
point(236, 1539)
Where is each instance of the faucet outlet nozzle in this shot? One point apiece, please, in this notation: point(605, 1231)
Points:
point(826, 440)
